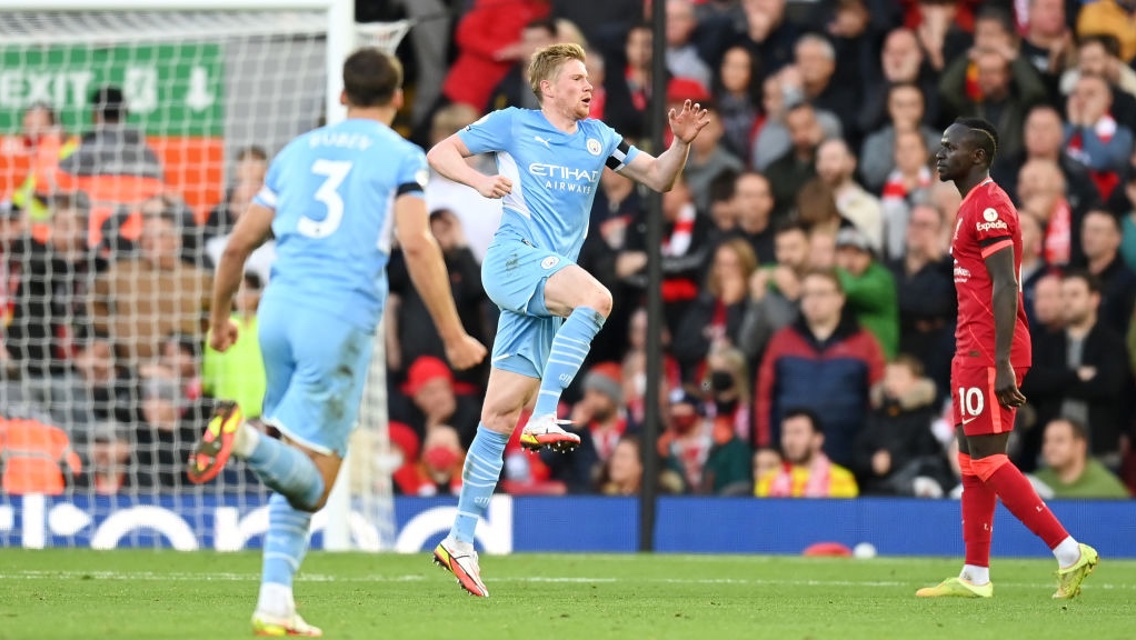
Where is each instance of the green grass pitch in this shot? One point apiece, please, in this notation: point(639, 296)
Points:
point(165, 594)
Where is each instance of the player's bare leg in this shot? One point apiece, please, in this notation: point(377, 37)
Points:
point(506, 395)
point(576, 295)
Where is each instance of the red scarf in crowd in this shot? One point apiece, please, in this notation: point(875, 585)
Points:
point(599, 101)
point(817, 486)
point(691, 451)
point(1058, 241)
point(639, 93)
point(1105, 181)
point(677, 244)
point(606, 439)
point(896, 189)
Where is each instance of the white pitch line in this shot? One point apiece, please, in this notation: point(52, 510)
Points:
point(317, 577)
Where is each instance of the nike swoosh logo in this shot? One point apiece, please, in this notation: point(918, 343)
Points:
point(967, 421)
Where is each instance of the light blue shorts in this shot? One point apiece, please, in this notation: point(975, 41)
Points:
point(316, 366)
point(514, 273)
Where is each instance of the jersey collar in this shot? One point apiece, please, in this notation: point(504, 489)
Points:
point(976, 187)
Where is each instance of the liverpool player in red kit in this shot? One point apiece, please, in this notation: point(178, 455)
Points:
point(992, 355)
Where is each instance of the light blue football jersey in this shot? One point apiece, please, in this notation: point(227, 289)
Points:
point(333, 190)
point(555, 174)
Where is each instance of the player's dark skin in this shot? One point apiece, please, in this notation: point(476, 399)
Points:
point(962, 161)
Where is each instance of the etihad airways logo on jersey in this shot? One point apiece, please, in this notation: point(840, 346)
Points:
point(560, 172)
point(988, 226)
point(562, 178)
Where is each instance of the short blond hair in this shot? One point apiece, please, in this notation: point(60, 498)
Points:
point(546, 63)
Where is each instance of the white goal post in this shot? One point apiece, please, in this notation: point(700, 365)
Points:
point(360, 512)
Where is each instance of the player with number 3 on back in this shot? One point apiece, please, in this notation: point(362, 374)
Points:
point(992, 355)
point(330, 198)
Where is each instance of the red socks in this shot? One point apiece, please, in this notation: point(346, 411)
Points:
point(978, 502)
point(1019, 496)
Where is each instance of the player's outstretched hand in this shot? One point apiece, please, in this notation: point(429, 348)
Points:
point(495, 187)
point(1006, 386)
point(465, 352)
point(223, 335)
point(686, 123)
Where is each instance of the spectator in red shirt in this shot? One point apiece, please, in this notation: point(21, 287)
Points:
point(488, 41)
point(438, 472)
point(432, 400)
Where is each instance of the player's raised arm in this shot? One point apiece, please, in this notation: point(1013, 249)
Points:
point(428, 272)
point(660, 173)
point(448, 158)
point(251, 230)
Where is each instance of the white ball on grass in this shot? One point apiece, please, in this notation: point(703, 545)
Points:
point(864, 550)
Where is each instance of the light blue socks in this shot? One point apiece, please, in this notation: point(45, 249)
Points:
point(286, 541)
point(294, 478)
point(286, 470)
point(569, 348)
point(479, 477)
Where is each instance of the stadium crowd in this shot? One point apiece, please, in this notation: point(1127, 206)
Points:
point(808, 289)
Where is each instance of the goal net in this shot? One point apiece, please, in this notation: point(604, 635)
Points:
point(131, 140)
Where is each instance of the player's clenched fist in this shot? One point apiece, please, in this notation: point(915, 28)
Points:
point(223, 335)
point(1006, 386)
point(465, 352)
point(495, 186)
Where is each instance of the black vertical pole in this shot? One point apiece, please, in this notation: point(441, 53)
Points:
point(652, 417)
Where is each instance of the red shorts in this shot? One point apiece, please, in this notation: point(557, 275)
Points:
point(973, 402)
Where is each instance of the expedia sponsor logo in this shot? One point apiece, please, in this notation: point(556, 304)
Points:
point(988, 226)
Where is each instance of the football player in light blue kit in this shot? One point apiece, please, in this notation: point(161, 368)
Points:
point(550, 160)
point(330, 199)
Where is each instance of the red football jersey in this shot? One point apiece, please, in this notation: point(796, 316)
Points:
point(987, 222)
